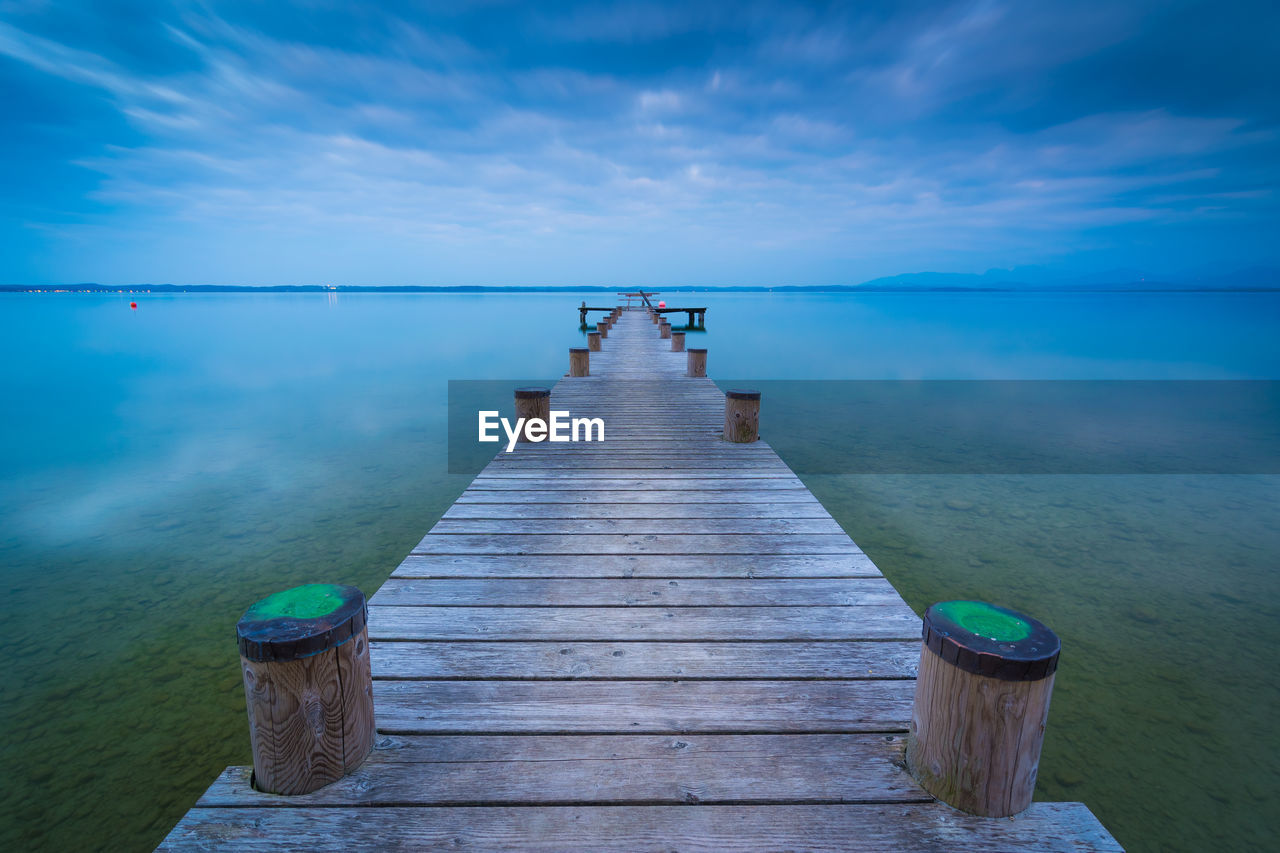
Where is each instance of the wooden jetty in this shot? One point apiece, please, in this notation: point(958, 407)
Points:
point(660, 641)
point(697, 317)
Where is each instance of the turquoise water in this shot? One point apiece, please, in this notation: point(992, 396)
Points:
point(165, 467)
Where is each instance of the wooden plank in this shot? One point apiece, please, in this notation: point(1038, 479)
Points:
point(636, 566)
point(632, 496)
point(636, 527)
point(761, 509)
point(467, 659)
point(567, 770)
point(630, 592)
point(665, 483)
point(740, 476)
point(641, 543)
point(615, 466)
point(858, 828)
point(642, 707)
point(654, 455)
point(567, 624)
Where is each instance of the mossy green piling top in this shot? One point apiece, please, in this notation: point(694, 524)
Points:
point(990, 640)
point(300, 622)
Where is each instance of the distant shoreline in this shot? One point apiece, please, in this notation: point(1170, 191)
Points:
point(870, 288)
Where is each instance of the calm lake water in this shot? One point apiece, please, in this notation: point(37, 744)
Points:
point(161, 469)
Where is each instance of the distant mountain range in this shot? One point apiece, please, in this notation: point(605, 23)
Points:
point(1039, 278)
point(1016, 279)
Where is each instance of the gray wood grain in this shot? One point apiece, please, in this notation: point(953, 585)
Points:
point(637, 565)
point(637, 527)
point(638, 660)
point(661, 480)
point(675, 510)
point(872, 622)
point(639, 543)
point(857, 828)
point(642, 707)
point(565, 770)
point(673, 495)
point(632, 592)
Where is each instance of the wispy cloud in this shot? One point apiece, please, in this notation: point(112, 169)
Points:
point(506, 145)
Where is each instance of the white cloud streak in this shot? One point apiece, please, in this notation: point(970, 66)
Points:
point(430, 163)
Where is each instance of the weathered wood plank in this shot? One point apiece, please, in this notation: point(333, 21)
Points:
point(663, 483)
point(860, 828)
point(740, 476)
point(647, 769)
point(676, 456)
point(873, 622)
point(465, 659)
point(637, 510)
point(642, 707)
point(636, 566)
point(640, 543)
point(636, 527)
point(630, 592)
point(638, 496)
point(612, 466)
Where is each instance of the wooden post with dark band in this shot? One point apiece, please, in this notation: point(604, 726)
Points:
point(304, 655)
point(532, 403)
point(593, 341)
point(664, 330)
point(579, 361)
point(677, 341)
point(697, 362)
point(981, 703)
point(741, 416)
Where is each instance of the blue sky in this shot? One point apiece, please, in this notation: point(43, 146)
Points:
point(612, 143)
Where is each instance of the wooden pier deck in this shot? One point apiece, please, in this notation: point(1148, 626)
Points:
point(662, 641)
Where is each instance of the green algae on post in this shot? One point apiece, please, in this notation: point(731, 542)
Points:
point(301, 622)
point(986, 620)
point(990, 640)
point(309, 601)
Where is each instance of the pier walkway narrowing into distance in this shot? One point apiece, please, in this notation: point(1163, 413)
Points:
point(661, 641)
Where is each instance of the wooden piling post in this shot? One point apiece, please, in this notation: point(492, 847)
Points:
point(304, 657)
point(657, 318)
point(579, 361)
point(603, 329)
point(593, 341)
point(677, 341)
point(532, 402)
point(981, 703)
point(741, 416)
point(697, 362)
point(664, 330)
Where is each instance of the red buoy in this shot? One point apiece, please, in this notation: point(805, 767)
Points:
point(662, 305)
point(133, 305)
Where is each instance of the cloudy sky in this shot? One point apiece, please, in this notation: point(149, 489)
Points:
point(610, 143)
